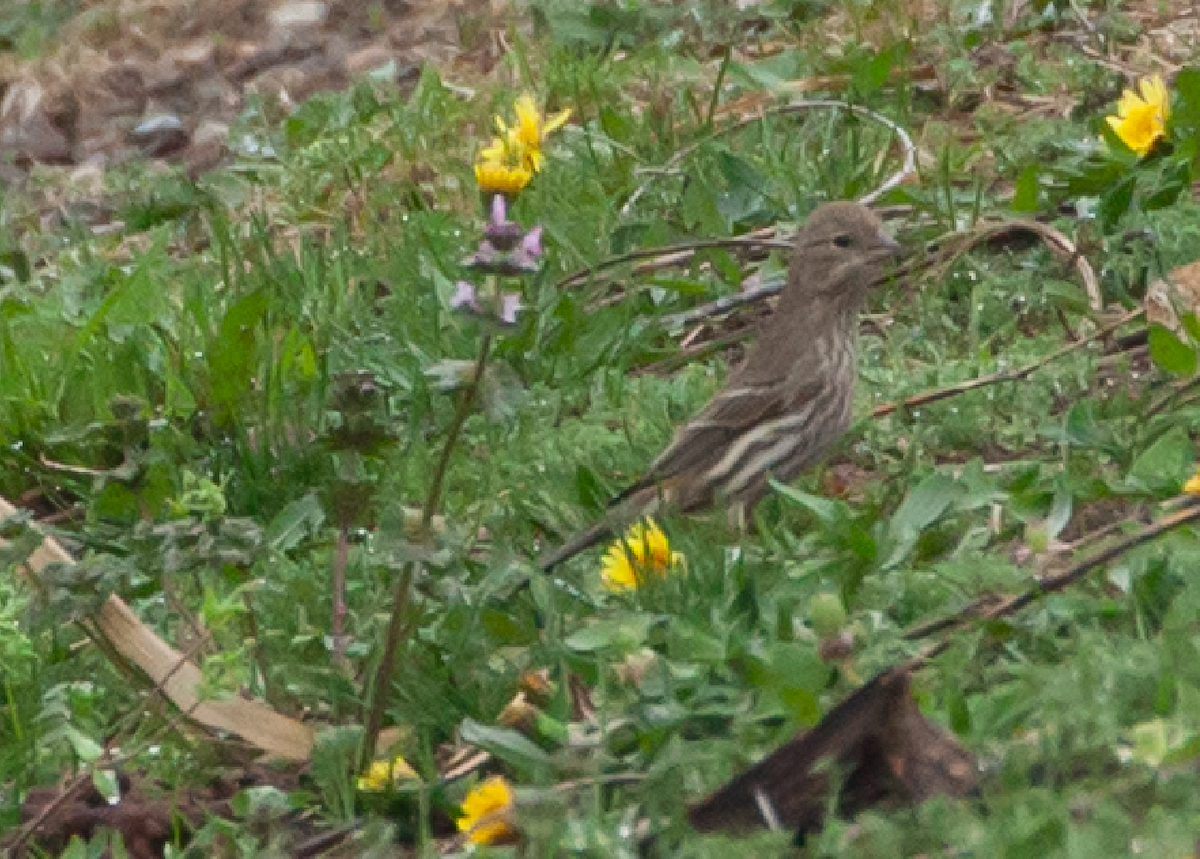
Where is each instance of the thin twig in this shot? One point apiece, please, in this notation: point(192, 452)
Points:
point(397, 625)
point(341, 557)
point(669, 255)
point(1190, 512)
point(1005, 375)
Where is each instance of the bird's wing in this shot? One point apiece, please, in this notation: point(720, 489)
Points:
point(732, 413)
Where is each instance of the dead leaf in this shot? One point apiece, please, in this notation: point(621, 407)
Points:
point(1178, 293)
point(887, 754)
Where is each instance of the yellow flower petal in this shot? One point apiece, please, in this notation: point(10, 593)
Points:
point(1141, 120)
point(556, 122)
point(487, 813)
point(381, 775)
point(497, 178)
point(1192, 485)
point(529, 122)
point(643, 549)
point(1154, 91)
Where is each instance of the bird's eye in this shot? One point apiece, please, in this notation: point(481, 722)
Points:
point(842, 241)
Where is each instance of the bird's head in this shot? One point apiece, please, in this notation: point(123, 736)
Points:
point(842, 251)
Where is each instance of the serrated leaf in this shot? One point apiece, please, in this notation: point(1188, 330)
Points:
point(293, 523)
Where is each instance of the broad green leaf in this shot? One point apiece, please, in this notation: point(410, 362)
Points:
point(1171, 353)
point(510, 746)
point(1115, 202)
point(621, 633)
point(925, 504)
point(686, 641)
point(827, 511)
point(1026, 197)
point(1167, 462)
point(105, 781)
point(232, 358)
point(1191, 325)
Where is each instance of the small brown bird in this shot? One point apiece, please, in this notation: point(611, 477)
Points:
point(790, 399)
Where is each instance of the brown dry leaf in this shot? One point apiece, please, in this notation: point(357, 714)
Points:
point(886, 752)
point(1177, 293)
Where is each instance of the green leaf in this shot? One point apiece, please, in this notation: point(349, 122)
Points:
point(686, 641)
point(1171, 353)
point(1026, 197)
point(508, 745)
point(796, 675)
point(502, 628)
point(105, 781)
point(622, 633)
point(1167, 462)
point(921, 508)
point(232, 358)
point(699, 208)
point(1060, 512)
point(828, 512)
point(85, 747)
point(924, 505)
point(873, 74)
point(295, 522)
point(1191, 325)
point(1187, 110)
point(1115, 202)
point(1174, 179)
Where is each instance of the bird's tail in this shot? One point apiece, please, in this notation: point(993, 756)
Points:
point(585, 540)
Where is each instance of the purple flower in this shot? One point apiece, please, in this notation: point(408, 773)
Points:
point(499, 210)
point(464, 296)
point(510, 305)
point(531, 245)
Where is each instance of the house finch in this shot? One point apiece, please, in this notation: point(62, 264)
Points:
point(790, 399)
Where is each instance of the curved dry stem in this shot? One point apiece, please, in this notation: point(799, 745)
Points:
point(1054, 239)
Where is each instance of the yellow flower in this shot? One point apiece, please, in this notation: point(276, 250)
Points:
point(643, 549)
point(381, 775)
point(1142, 120)
point(533, 128)
point(487, 813)
point(1192, 485)
point(515, 154)
point(497, 178)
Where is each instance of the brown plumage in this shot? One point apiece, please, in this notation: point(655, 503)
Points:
point(788, 401)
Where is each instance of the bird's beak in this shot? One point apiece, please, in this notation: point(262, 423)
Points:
point(887, 245)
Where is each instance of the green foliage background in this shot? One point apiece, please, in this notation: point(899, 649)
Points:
point(184, 387)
